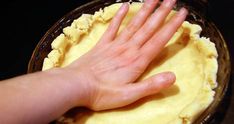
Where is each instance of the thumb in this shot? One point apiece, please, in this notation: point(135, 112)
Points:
point(135, 91)
point(123, 95)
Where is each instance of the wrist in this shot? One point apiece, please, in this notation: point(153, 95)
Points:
point(72, 84)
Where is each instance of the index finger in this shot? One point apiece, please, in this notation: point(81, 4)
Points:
point(138, 20)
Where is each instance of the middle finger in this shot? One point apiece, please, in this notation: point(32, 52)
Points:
point(137, 21)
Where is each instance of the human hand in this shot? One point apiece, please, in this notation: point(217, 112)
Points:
point(106, 75)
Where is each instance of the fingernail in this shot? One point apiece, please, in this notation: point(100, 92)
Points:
point(150, 1)
point(167, 77)
point(183, 11)
point(169, 3)
point(124, 5)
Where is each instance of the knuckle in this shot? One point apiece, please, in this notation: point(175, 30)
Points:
point(118, 49)
point(95, 107)
point(131, 28)
point(149, 85)
point(163, 9)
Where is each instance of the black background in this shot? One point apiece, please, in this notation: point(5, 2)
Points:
point(23, 23)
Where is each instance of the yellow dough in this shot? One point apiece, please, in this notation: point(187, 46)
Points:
point(192, 58)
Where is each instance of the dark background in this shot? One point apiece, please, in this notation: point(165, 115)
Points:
point(23, 23)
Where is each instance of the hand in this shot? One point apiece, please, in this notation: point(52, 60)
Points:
point(107, 74)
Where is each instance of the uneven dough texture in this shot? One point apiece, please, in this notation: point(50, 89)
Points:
point(192, 58)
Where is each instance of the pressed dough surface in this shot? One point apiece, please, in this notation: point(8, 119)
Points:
point(192, 58)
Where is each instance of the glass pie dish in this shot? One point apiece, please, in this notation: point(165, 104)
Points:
point(197, 14)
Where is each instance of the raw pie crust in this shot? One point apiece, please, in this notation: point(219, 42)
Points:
point(192, 58)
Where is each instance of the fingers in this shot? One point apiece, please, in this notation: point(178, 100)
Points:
point(153, 23)
point(113, 28)
point(122, 95)
point(156, 43)
point(138, 20)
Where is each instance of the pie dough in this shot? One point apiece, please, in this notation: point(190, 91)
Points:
point(192, 58)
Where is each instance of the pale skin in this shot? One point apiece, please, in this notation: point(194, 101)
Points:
point(104, 78)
